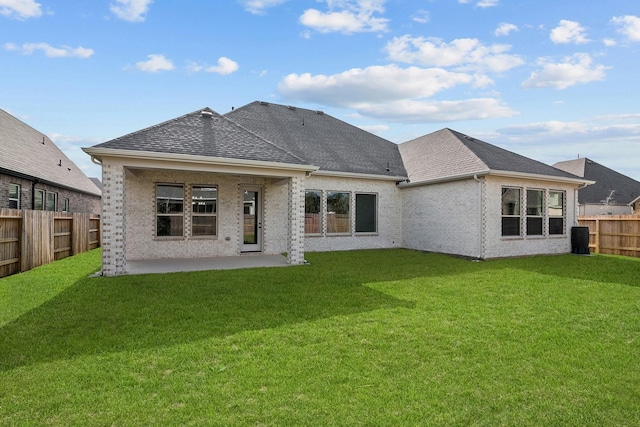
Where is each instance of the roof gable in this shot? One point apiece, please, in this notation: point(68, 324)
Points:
point(28, 152)
point(447, 153)
point(320, 139)
point(608, 182)
point(202, 133)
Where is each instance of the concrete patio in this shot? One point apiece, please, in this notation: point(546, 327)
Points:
point(172, 265)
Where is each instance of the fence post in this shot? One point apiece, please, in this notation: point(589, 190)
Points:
point(597, 236)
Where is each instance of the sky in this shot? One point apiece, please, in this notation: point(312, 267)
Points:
point(551, 80)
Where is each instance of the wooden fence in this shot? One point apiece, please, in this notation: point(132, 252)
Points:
point(613, 234)
point(29, 239)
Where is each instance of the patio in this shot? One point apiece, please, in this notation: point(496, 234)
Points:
point(171, 265)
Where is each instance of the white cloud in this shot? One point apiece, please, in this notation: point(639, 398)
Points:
point(50, 51)
point(20, 9)
point(609, 42)
point(630, 26)
point(258, 7)
point(155, 63)
point(225, 66)
point(421, 17)
point(393, 93)
point(465, 54)
point(573, 70)
point(131, 10)
point(347, 16)
point(488, 3)
point(504, 29)
point(568, 32)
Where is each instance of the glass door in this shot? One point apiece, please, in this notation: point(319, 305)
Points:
point(252, 219)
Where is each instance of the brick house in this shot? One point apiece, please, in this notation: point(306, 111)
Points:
point(36, 174)
point(269, 179)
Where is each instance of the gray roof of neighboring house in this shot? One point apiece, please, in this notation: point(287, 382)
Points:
point(203, 133)
point(28, 153)
point(320, 139)
point(625, 190)
point(447, 153)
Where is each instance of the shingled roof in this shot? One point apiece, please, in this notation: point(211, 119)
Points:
point(30, 154)
point(625, 190)
point(321, 140)
point(203, 133)
point(447, 153)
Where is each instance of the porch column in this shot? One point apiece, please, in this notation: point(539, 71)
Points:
point(296, 220)
point(112, 219)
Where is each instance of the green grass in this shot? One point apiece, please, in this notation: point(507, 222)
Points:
point(384, 338)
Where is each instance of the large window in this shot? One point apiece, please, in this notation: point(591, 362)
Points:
point(366, 213)
point(169, 210)
point(510, 211)
point(534, 212)
point(312, 212)
point(556, 212)
point(14, 196)
point(52, 201)
point(338, 218)
point(38, 200)
point(204, 209)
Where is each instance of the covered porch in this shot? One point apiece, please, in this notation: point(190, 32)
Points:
point(176, 265)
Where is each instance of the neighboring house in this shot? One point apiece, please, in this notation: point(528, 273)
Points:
point(269, 179)
point(612, 194)
point(35, 173)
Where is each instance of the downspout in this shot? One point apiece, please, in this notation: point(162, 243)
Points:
point(576, 204)
point(480, 236)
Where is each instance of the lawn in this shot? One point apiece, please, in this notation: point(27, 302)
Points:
point(383, 338)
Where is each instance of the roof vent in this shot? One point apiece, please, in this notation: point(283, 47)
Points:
point(319, 112)
point(291, 107)
point(264, 103)
point(206, 113)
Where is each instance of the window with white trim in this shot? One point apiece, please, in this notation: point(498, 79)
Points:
point(39, 200)
point(313, 212)
point(511, 217)
point(169, 210)
point(14, 196)
point(65, 204)
point(204, 210)
point(535, 212)
point(556, 212)
point(52, 200)
point(338, 216)
point(366, 213)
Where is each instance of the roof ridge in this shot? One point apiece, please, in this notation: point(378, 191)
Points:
point(463, 138)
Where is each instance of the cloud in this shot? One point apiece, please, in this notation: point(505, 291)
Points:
point(421, 17)
point(258, 7)
point(347, 17)
point(504, 29)
point(20, 9)
point(465, 54)
point(568, 32)
point(225, 66)
point(393, 93)
point(573, 70)
point(630, 26)
point(155, 63)
point(488, 3)
point(131, 10)
point(50, 51)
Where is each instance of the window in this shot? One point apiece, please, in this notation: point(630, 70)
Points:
point(312, 212)
point(510, 211)
point(169, 210)
point(65, 204)
point(556, 212)
point(366, 213)
point(204, 201)
point(338, 220)
point(38, 200)
point(14, 196)
point(52, 201)
point(534, 212)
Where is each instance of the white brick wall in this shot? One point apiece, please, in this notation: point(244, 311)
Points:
point(443, 218)
point(113, 220)
point(389, 215)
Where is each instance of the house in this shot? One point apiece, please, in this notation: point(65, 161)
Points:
point(612, 194)
point(268, 179)
point(35, 173)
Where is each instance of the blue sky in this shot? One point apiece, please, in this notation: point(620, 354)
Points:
point(551, 80)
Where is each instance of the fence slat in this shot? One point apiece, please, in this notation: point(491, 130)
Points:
point(613, 234)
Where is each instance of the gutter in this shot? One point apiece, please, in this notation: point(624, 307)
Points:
point(394, 178)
